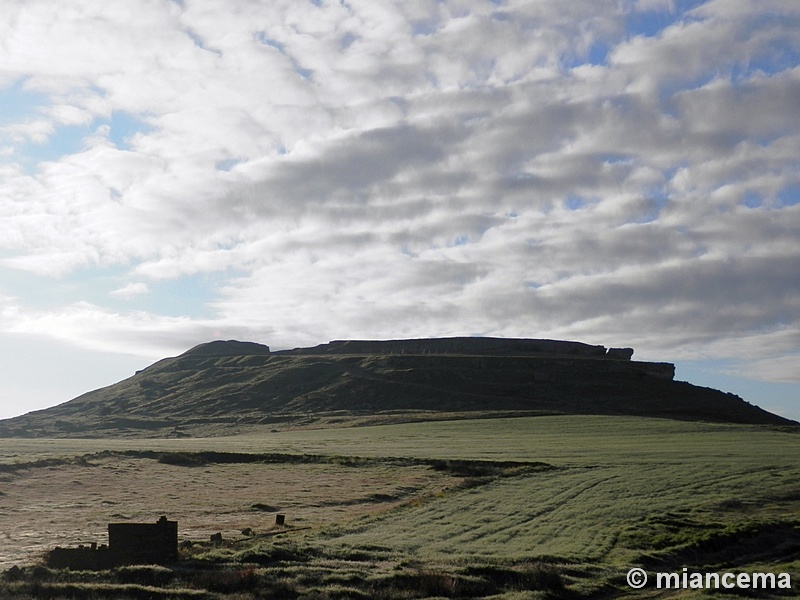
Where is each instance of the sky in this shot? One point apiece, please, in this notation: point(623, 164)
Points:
point(616, 172)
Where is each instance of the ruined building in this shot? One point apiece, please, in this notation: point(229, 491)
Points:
point(128, 544)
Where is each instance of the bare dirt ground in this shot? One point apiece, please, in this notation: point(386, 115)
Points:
point(71, 504)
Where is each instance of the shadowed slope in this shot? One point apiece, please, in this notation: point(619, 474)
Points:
point(219, 387)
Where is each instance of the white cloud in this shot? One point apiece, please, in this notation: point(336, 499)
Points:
point(375, 169)
point(780, 369)
point(37, 131)
point(657, 5)
point(131, 290)
point(135, 333)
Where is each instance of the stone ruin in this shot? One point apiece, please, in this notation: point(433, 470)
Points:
point(483, 346)
point(128, 544)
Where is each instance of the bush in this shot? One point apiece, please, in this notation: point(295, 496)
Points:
point(270, 555)
point(228, 580)
point(280, 590)
point(425, 583)
point(532, 576)
point(153, 575)
point(541, 576)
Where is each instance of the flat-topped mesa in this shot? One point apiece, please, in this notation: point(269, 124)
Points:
point(219, 387)
point(468, 346)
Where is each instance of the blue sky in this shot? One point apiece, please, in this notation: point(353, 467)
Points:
point(619, 173)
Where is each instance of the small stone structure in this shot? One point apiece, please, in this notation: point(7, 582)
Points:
point(128, 544)
point(619, 353)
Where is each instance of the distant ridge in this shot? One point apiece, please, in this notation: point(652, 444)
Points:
point(223, 387)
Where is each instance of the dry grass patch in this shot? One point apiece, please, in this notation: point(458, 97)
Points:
point(72, 503)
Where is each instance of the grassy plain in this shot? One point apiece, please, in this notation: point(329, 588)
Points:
point(429, 509)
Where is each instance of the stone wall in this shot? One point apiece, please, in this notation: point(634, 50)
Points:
point(128, 544)
point(458, 346)
point(81, 559)
point(144, 543)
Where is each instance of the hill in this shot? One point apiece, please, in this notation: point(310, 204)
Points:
point(226, 386)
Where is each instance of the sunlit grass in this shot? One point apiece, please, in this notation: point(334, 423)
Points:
point(571, 439)
point(620, 491)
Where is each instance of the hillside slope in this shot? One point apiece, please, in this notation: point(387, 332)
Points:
point(221, 386)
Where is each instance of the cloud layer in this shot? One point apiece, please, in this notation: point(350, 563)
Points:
point(622, 173)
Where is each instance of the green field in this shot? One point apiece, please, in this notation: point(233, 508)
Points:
point(615, 492)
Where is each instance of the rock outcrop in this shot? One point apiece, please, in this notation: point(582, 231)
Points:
point(228, 348)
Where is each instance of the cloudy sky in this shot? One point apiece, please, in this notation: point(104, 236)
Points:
point(618, 172)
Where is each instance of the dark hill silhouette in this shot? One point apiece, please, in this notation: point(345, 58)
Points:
point(224, 386)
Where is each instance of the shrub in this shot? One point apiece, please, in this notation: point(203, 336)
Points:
point(228, 580)
point(425, 583)
point(153, 575)
point(280, 590)
point(532, 576)
point(270, 555)
point(541, 576)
